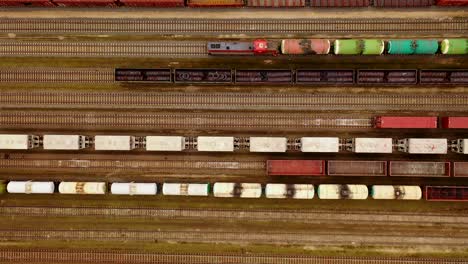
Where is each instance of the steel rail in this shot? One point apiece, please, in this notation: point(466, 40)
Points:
point(232, 101)
point(134, 257)
point(81, 75)
point(232, 26)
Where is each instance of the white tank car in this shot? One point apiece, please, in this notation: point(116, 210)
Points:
point(320, 144)
point(372, 145)
point(30, 187)
point(134, 188)
point(423, 145)
point(342, 191)
point(268, 144)
point(295, 191)
point(65, 142)
point(217, 144)
point(83, 188)
point(396, 192)
point(186, 189)
point(165, 143)
point(242, 190)
point(114, 142)
point(17, 141)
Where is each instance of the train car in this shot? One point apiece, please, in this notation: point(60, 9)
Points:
point(134, 188)
point(114, 142)
point(419, 169)
point(447, 193)
point(403, 3)
point(294, 191)
point(342, 191)
point(452, 2)
point(31, 3)
point(320, 144)
point(387, 76)
point(3, 186)
point(242, 190)
point(215, 144)
point(82, 188)
point(459, 146)
point(460, 169)
point(454, 122)
point(356, 168)
point(370, 145)
point(165, 143)
point(275, 3)
point(186, 189)
point(31, 187)
point(454, 46)
point(296, 167)
point(405, 122)
point(423, 145)
point(18, 141)
point(86, 3)
point(339, 3)
point(153, 3)
point(256, 47)
point(410, 46)
point(65, 142)
point(359, 47)
point(215, 3)
point(268, 144)
point(392, 192)
point(305, 46)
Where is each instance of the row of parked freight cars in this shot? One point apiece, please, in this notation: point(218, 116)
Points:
point(339, 47)
point(245, 190)
point(233, 3)
point(361, 77)
point(231, 144)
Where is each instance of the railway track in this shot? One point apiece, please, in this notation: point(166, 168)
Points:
point(104, 49)
point(96, 256)
point(81, 75)
point(232, 26)
point(205, 236)
point(231, 101)
point(251, 215)
point(11, 119)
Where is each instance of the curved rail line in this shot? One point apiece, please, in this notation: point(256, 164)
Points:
point(306, 215)
point(317, 237)
point(233, 101)
point(232, 26)
point(10, 119)
point(82, 75)
point(105, 49)
point(95, 256)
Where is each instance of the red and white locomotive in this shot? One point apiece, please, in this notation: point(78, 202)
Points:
point(256, 47)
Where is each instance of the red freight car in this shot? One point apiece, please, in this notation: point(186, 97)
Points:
point(45, 3)
point(452, 2)
point(276, 3)
point(215, 3)
point(296, 167)
point(405, 122)
point(403, 3)
point(460, 169)
point(357, 168)
point(419, 169)
point(455, 122)
point(84, 3)
point(447, 193)
point(153, 3)
point(339, 3)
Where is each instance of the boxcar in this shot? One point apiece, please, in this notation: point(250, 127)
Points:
point(405, 122)
point(65, 142)
point(342, 191)
point(447, 193)
point(403, 3)
point(454, 122)
point(339, 3)
point(371, 145)
point(268, 144)
point(217, 144)
point(296, 167)
point(275, 3)
point(356, 168)
point(18, 141)
point(294, 191)
point(165, 143)
point(35, 3)
point(86, 3)
point(419, 169)
point(460, 169)
point(320, 144)
point(153, 3)
point(423, 145)
point(114, 142)
point(380, 192)
point(215, 3)
point(452, 2)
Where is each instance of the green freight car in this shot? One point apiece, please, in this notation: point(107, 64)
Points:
point(359, 46)
point(454, 46)
point(408, 46)
point(2, 187)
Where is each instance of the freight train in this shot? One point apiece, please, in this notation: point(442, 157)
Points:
point(244, 190)
point(340, 47)
point(390, 77)
point(234, 3)
point(234, 144)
